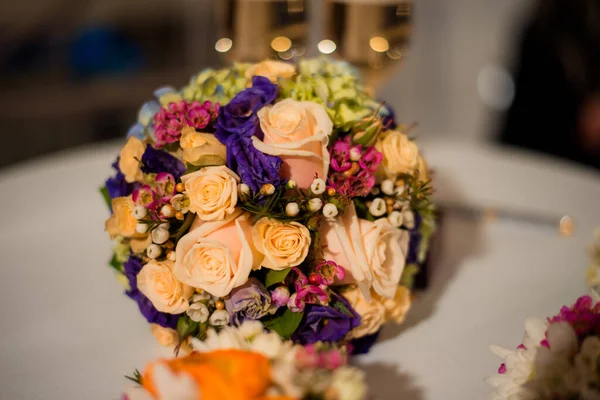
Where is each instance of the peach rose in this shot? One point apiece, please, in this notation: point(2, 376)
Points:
point(122, 222)
point(298, 132)
point(374, 253)
point(157, 282)
point(212, 192)
point(400, 154)
point(272, 70)
point(164, 336)
point(130, 159)
point(397, 308)
point(201, 148)
point(371, 313)
point(216, 256)
point(284, 245)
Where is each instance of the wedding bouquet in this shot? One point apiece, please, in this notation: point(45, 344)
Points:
point(275, 193)
point(558, 359)
point(248, 363)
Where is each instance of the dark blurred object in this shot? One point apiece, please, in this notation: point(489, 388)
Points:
point(103, 50)
point(556, 108)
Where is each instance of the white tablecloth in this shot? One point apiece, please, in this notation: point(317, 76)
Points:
point(68, 332)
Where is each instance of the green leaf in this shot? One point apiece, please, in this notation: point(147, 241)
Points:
point(186, 327)
point(286, 324)
point(338, 305)
point(106, 196)
point(116, 264)
point(137, 377)
point(274, 277)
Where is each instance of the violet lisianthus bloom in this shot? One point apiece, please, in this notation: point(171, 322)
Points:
point(132, 267)
point(254, 167)
point(251, 301)
point(117, 186)
point(363, 344)
point(155, 161)
point(238, 117)
point(327, 323)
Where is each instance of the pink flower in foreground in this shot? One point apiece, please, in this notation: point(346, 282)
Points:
point(327, 271)
point(165, 186)
point(146, 197)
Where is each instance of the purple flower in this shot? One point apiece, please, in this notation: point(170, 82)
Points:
point(254, 167)
point(238, 117)
point(132, 267)
point(251, 301)
point(155, 161)
point(327, 323)
point(363, 345)
point(117, 186)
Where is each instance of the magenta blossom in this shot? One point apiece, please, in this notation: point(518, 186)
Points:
point(165, 186)
point(307, 357)
point(145, 196)
point(306, 293)
point(340, 155)
point(280, 296)
point(170, 120)
point(332, 359)
point(583, 316)
point(327, 271)
point(370, 160)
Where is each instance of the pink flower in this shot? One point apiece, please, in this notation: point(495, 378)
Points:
point(332, 359)
point(280, 296)
point(340, 155)
point(310, 294)
point(583, 316)
point(307, 357)
point(165, 186)
point(370, 160)
point(327, 271)
point(146, 197)
point(170, 120)
point(361, 184)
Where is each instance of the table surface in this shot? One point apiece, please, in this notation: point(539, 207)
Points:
point(68, 332)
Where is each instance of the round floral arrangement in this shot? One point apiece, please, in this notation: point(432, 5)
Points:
point(248, 363)
point(558, 359)
point(274, 192)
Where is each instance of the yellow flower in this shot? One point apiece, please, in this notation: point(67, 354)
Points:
point(272, 70)
point(130, 159)
point(201, 148)
point(283, 244)
point(396, 308)
point(423, 169)
point(157, 282)
point(164, 336)
point(169, 98)
point(400, 154)
point(212, 192)
point(372, 314)
point(122, 222)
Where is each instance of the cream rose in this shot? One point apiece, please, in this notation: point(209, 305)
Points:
point(372, 313)
point(400, 154)
point(130, 159)
point(122, 222)
point(396, 308)
point(423, 169)
point(298, 132)
point(374, 253)
point(201, 148)
point(164, 336)
point(212, 192)
point(272, 70)
point(157, 282)
point(216, 256)
point(283, 245)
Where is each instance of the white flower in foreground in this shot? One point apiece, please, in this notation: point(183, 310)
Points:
point(349, 383)
point(517, 365)
point(219, 318)
point(198, 312)
point(169, 386)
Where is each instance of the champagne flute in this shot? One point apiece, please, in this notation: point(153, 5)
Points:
point(254, 30)
point(371, 34)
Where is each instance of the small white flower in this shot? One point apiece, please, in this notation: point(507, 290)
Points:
point(395, 219)
point(167, 211)
point(267, 189)
point(178, 202)
point(349, 383)
point(330, 210)
point(409, 219)
point(388, 187)
point(355, 154)
point(291, 184)
point(377, 207)
point(139, 212)
point(251, 329)
point(400, 189)
point(292, 209)
point(243, 189)
point(315, 204)
point(171, 256)
point(198, 312)
point(318, 186)
point(141, 228)
point(165, 225)
point(153, 251)
point(219, 318)
point(201, 297)
point(160, 235)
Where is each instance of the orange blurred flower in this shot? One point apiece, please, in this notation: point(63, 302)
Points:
point(220, 375)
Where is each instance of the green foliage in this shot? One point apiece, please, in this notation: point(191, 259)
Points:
point(274, 277)
point(285, 324)
point(116, 264)
point(137, 377)
point(186, 327)
point(408, 275)
point(106, 196)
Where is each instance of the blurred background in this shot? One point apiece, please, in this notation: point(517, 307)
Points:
point(520, 73)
